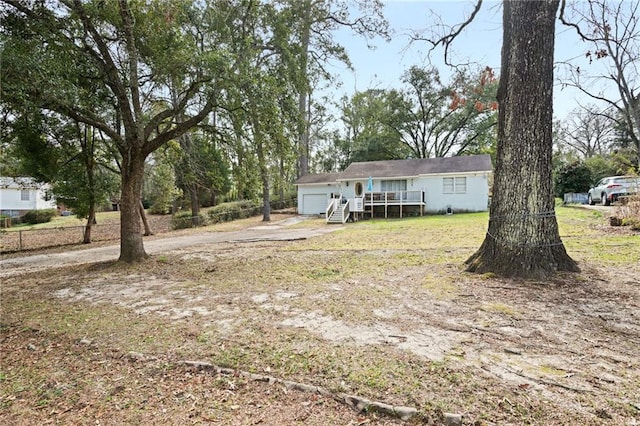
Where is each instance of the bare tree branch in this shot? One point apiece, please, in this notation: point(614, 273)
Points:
point(573, 25)
point(447, 39)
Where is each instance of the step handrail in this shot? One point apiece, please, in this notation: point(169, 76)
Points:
point(345, 212)
point(331, 208)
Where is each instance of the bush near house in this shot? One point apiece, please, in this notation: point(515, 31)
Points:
point(232, 211)
point(227, 212)
point(33, 217)
point(184, 220)
point(221, 213)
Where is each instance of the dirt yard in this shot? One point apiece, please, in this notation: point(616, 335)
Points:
point(299, 330)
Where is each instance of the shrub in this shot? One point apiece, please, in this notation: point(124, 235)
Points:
point(572, 178)
point(226, 212)
point(159, 208)
point(287, 203)
point(629, 212)
point(185, 220)
point(632, 222)
point(232, 211)
point(39, 216)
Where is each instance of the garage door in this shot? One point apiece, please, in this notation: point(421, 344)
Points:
point(314, 203)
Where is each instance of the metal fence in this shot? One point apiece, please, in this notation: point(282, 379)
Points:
point(32, 239)
point(575, 198)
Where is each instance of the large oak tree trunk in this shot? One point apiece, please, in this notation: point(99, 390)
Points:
point(131, 246)
point(523, 238)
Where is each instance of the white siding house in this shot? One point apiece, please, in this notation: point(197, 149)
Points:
point(397, 187)
point(21, 194)
point(315, 191)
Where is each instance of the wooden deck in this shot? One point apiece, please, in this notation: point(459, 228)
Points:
point(384, 200)
point(397, 203)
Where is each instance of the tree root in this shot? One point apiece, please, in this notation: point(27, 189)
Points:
point(357, 403)
point(548, 382)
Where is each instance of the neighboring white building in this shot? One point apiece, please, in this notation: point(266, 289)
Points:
point(21, 194)
point(401, 187)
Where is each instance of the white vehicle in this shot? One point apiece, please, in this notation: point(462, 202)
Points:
point(609, 189)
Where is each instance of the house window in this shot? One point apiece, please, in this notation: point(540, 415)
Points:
point(447, 185)
point(393, 185)
point(454, 185)
point(24, 195)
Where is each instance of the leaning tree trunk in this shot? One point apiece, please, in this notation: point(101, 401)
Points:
point(523, 238)
point(131, 246)
point(145, 220)
point(91, 220)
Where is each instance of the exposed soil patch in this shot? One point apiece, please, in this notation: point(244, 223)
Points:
point(404, 326)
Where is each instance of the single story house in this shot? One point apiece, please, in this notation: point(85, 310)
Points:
point(399, 187)
point(21, 194)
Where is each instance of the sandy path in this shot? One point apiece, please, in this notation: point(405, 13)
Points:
point(276, 231)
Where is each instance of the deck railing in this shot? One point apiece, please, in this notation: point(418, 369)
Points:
point(393, 197)
point(369, 200)
point(340, 208)
point(388, 199)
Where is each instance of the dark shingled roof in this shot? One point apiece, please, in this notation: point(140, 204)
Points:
point(417, 167)
point(319, 178)
point(404, 168)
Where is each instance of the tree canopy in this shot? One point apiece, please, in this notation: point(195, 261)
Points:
point(110, 65)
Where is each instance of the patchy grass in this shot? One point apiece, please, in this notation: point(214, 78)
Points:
point(588, 238)
point(500, 308)
point(380, 309)
point(65, 221)
point(427, 232)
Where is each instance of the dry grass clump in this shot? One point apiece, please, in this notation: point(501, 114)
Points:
point(628, 213)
